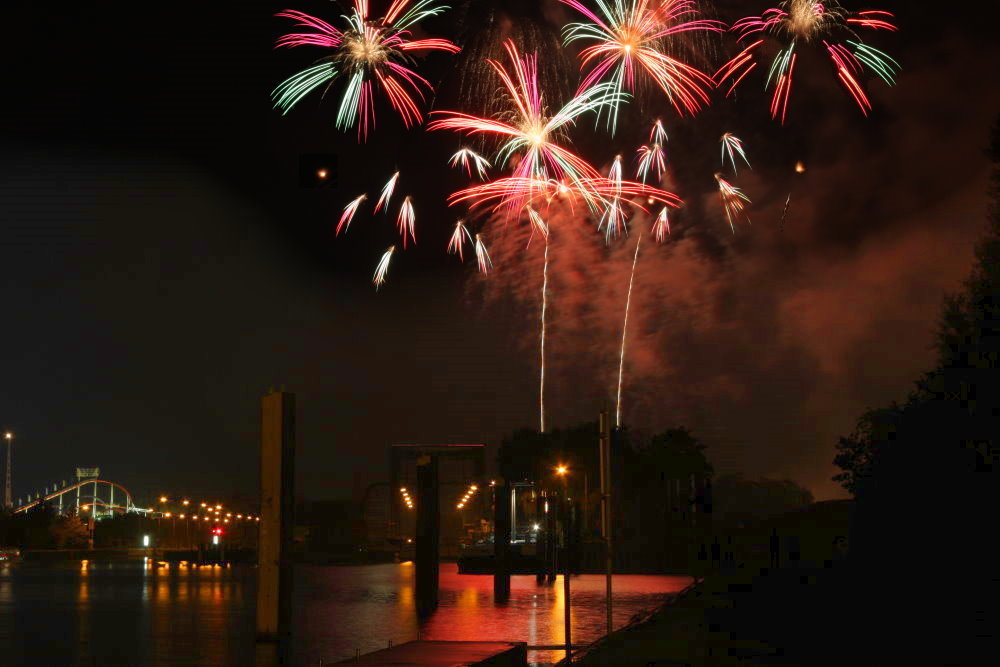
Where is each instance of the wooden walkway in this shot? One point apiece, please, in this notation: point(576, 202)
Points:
point(447, 654)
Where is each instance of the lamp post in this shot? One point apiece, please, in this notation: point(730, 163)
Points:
point(563, 471)
point(9, 437)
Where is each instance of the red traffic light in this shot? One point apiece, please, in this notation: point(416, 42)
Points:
point(217, 531)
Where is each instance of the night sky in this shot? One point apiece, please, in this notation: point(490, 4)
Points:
point(162, 266)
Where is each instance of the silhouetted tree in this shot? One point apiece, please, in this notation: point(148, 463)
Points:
point(921, 473)
point(69, 532)
point(735, 496)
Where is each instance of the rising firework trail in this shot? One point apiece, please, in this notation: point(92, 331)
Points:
point(467, 158)
point(405, 220)
point(795, 22)
point(457, 240)
point(387, 192)
point(369, 54)
point(348, 214)
point(621, 355)
point(731, 147)
point(633, 38)
point(733, 201)
point(383, 267)
point(541, 375)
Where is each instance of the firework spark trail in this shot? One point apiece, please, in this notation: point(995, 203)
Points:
point(482, 256)
point(621, 356)
point(533, 135)
point(383, 267)
point(369, 54)
point(658, 135)
point(457, 239)
point(541, 375)
point(661, 227)
point(799, 169)
point(794, 21)
point(348, 214)
point(614, 217)
point(387, 192)
point(733, 201)
point(732, 146)
point(651, 158)
point(633, 38)
point(468, 158)
point(537, 224)
point(406, 219)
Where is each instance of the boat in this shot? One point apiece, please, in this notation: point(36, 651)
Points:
point(478, 558)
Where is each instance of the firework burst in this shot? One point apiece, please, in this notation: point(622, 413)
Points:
point(731, 147)
point(348, 214)
point(369, 54)
point(633, 38)
point(806, 21)
point(458, 238)
point(533, 135)
point(733, 201)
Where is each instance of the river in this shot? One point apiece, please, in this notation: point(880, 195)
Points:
point(135, 613)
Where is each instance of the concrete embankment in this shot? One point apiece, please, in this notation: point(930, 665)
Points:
point(760, 616)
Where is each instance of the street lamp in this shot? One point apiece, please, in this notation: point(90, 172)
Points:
point(9, 437)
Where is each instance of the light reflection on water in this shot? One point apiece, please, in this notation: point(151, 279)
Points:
point(154, 614)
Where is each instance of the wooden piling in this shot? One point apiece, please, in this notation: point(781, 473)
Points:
point(501, 542)
point(428, 531)
point(277, 494)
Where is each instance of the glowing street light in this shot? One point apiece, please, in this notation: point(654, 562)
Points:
point(561, 470)
point(163, 499)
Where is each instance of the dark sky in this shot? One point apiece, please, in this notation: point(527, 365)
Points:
point(162, 268)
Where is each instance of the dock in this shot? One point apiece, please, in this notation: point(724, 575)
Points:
point(447, 654)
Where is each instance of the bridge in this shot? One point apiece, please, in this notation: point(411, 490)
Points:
point(89, 492)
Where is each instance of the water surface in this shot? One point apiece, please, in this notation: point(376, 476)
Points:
point(127, 613)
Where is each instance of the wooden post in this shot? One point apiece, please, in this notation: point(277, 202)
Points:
point(277, 476)
point(564, 506)
point(428, 533)
point(551, 554)
point(501, 542)
point(540, 540)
